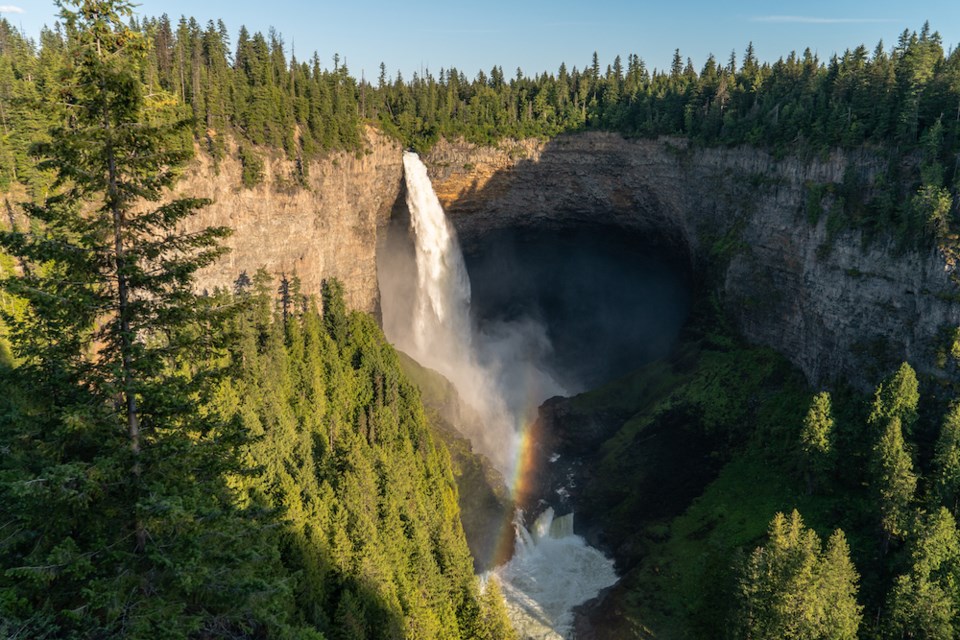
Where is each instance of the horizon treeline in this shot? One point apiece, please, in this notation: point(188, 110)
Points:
point(253, 90)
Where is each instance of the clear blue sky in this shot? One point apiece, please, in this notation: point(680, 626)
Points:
point(537, 35)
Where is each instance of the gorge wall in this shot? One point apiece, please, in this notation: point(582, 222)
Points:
point(831, 305)
point(326, 228)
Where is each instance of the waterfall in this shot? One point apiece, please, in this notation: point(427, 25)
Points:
point(440, 335)
point(500, 375)
point(441, 321)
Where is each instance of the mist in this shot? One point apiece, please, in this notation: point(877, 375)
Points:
point(526, 314)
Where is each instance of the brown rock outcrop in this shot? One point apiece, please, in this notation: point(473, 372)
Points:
point(325, 229)
point(831, 305)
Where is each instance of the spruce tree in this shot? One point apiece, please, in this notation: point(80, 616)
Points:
point(946, 462)
point(494, 622)
point(816, 439)
point(897, 397)
point(144, 540)
point(791, 588)
point(894, 412)
point(924, 600)
point(895, 482)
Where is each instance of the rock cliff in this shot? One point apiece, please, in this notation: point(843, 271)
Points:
point(327, 228)
point(831, 305)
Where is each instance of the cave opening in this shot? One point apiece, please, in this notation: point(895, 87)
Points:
point(510, 318)
point(609, 299)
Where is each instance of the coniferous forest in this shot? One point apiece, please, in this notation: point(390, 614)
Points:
point(254, 463)
point(176, 466)
point(900, 99)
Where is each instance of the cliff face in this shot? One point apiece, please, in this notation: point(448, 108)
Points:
point(830, 305)
point(326, 229)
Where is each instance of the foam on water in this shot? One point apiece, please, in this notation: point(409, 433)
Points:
point(552, 571)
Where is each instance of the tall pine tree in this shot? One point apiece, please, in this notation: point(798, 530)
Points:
point(145, 541)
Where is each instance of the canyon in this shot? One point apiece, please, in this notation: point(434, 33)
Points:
point(836, 306)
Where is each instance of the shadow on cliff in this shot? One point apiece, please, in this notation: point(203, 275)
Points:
point(602, 265)
point(566, 184)
point(595, 251)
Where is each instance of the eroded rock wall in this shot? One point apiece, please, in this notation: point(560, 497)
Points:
point(325, 229)
point(831, 305)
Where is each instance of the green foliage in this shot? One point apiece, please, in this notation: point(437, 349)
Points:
point(252, 92)
point(946, 462)
point(894, 412)
point(251, 173)
point(145, 538)
point(485, 502)
point(675, 430)
point(897, 397)
point(344, 455)
point(680, 508)
point(334, 310)
point(924, 601)
point(816, 437)
point(893, 98)
point(895, 480)
point(493, 621)
point(184, 467)
point(791, 588)
point(931, 206)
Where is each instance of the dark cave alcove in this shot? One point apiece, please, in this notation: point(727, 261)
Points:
point(609, 299)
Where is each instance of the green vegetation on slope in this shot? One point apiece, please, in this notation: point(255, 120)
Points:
point(700, 453)
point(340, 515)
point(179, 466)
point(342, 452)
point(485, 503)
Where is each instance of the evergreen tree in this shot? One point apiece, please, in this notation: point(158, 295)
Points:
point(494, 622)
point(816, 439)
point(113, 445)
point(895, 405)
point(791, 589)
point(369, 503)
point(924, 601)
point(897, 397)
point(946, 462)
point(895, 482)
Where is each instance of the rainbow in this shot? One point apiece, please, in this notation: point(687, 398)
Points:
point(523, 484)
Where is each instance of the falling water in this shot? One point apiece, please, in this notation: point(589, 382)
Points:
point(551, 572)
point(499, 375)
point(439, 335)
point(443, 302)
